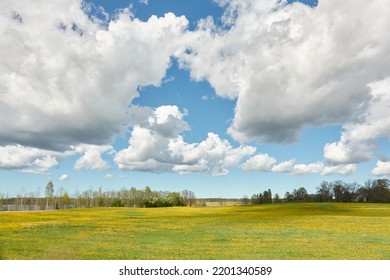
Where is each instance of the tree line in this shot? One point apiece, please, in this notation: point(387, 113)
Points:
point(60, 199)
point(376, 191)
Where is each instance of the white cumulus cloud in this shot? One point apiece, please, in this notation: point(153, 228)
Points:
point(311, 168)
point(92, 157)
point(344, 169)
point(284, 167)
point(27, 159)
point(261, 162)
point(156, 145)
point(213, 155)
point(382, 168)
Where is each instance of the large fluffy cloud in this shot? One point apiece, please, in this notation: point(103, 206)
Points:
point(66, 78)
point(156, 145)
point(292, 65)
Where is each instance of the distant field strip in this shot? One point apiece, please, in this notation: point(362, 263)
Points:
point(279, 231)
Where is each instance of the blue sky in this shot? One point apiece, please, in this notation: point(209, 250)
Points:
point(226, 98)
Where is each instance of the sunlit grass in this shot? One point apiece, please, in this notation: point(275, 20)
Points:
point(280, 231)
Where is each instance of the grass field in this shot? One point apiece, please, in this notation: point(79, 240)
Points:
point(279, 231)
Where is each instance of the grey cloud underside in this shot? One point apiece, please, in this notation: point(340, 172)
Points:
point(61, 138)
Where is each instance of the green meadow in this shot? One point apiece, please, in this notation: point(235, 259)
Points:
point(279, 231)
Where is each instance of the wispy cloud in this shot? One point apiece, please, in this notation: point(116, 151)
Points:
point(64, 177)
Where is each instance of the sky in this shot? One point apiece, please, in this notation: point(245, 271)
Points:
point(225, 98)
